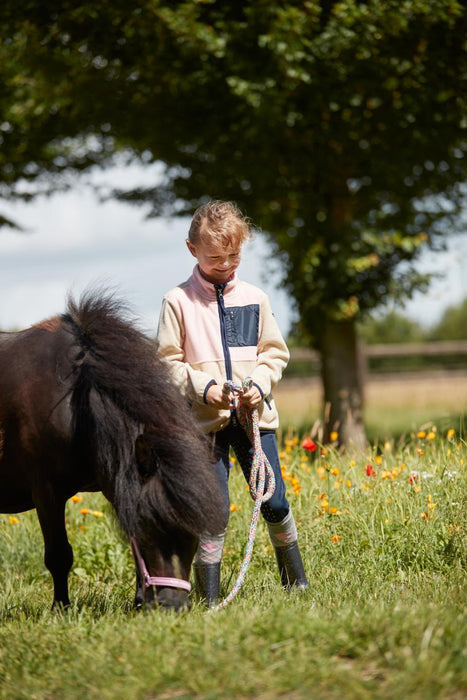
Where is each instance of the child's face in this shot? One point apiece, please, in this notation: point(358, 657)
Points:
point(216, 264)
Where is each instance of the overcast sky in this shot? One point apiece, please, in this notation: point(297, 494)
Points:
point(73, 241)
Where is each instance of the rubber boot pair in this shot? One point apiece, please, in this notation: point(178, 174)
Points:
point(289, 561)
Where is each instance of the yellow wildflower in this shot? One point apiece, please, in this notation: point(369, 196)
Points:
point(14, 520)
point(285, 473)
point(85, 511)
point(233, 507)
point(334, 435)
point(76, 498)
point(336, 538)
point(421, 434)
point(450, 434)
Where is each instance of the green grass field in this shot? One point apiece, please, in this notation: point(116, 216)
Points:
point(383, 542)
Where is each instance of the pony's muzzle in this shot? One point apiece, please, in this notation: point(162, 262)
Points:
point(162, 597)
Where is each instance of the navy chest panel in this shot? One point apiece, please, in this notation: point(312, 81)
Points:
point(242, 325)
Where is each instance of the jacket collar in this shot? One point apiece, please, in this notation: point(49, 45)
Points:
point(208, 289)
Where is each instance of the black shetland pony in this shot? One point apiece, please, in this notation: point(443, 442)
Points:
point(85, 405)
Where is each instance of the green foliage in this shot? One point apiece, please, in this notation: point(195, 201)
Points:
point(384, 550)
point(338, 126)
point(391, 327)
point(452, 325)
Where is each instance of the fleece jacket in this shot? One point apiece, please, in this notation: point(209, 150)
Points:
point(211, 333)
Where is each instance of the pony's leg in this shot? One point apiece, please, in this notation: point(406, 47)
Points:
point(58, 555)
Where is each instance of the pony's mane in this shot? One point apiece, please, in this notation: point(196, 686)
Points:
point(122, 389)
point(49, 324)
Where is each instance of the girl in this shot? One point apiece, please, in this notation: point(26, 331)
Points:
point(214, 328)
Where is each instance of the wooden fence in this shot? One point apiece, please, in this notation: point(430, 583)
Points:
point(448, 354)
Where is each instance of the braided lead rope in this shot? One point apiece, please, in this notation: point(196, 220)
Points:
point(260, 467)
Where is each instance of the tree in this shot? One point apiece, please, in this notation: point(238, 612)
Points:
point(337, 126)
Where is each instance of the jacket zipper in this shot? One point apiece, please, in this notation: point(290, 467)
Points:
point(225, 347)
point(221, 308)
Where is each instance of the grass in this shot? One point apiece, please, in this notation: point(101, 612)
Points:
point(383, 542)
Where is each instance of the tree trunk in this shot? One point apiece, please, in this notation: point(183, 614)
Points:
point(342, 375)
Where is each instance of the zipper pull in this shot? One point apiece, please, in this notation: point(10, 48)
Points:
point(220, 296)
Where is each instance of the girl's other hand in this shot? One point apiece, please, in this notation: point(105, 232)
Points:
point(218, 398)
point(251, 398)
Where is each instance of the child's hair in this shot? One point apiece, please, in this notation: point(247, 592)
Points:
point(219, 223)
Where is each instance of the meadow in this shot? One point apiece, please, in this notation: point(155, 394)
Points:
point(383, 541)
point(395, 404)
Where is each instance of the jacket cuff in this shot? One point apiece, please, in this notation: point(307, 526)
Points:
point(259, 389)
point(208, 385)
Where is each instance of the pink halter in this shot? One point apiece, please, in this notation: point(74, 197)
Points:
point(148, 580)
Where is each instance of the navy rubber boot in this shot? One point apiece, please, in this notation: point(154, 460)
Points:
point(290, 565)
point(207, 582)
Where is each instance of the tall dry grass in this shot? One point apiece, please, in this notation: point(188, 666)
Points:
point(394, 404)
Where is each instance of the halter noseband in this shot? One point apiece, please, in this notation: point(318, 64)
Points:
point(148, 580)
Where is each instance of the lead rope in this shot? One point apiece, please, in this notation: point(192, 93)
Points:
point(260, 467)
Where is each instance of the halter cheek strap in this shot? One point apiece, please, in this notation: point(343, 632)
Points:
point(148, 580)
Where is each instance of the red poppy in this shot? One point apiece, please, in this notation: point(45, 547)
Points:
point(369, 470)
point(309, 444)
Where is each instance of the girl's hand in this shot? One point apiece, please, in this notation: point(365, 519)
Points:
point(216, 397)
point(251, 398)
